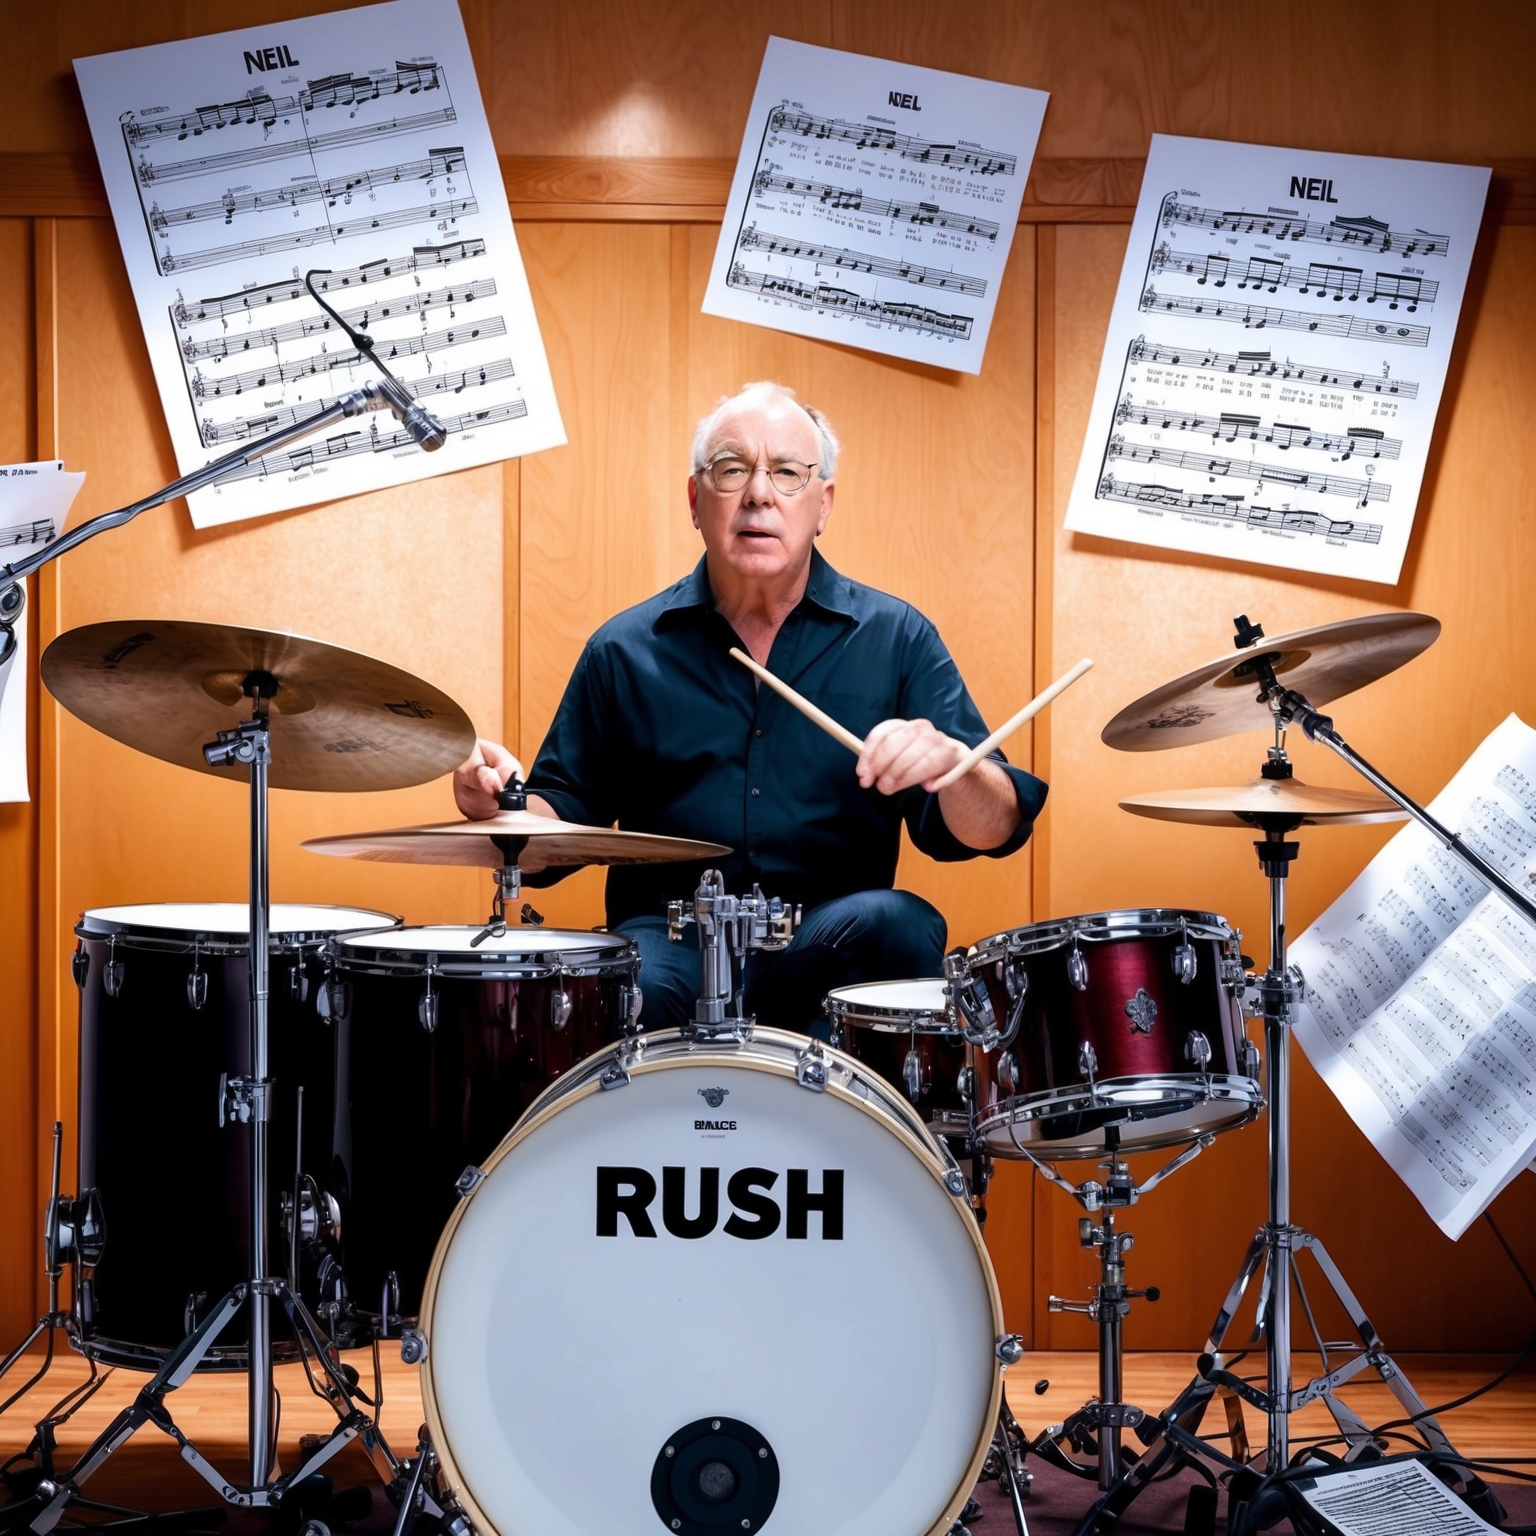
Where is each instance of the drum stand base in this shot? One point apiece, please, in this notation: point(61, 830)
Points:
point(53, 1497)
point(1005, 1467)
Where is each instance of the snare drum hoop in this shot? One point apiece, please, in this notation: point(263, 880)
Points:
point(217, 942)
point(766, 1050)
point(1101, 928)
point(615, 957)
point(891, 1021)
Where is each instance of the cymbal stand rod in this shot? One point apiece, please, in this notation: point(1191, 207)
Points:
point(1319, 727)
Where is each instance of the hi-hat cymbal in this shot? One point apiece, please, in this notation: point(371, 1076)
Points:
point(340, 720)
point(1221, 699)
point(1250, 804)
point(531, 841)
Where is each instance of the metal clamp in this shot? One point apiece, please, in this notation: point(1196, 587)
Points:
point(970, 1003)
point(811, 1068)
point(243, 1099)
point(469, 1181)
point(413, 1346)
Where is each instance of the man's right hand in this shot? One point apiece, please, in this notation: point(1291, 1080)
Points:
point(481, 776)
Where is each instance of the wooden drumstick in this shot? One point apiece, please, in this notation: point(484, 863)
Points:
point(804, 705)
point(1007, 729)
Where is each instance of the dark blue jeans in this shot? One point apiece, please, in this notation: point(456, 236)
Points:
point(869, 936)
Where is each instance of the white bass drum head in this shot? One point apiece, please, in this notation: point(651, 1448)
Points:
point(580, 1321)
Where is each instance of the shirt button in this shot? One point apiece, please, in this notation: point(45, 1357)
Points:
point(757, 733)
point(754, 794)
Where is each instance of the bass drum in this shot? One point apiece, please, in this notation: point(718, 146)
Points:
point(164, 1014)
point(447, 1042)
point(775, 1270)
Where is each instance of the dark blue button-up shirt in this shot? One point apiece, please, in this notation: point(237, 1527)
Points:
point(660, 730)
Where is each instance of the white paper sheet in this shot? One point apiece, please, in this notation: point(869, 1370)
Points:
point(355, 141)
point(34, 501)
point(874, 204)
point(1401, 1498)
point(1276, 355)
point(1420, 1012)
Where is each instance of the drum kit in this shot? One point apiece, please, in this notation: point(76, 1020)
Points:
point(714, 1276)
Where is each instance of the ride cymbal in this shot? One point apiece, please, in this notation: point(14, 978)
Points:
point(340, 720)
point(531, 841)
point(1250, 804)
point(1221, 699)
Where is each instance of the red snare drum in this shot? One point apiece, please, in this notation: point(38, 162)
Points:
point(1118, 1018)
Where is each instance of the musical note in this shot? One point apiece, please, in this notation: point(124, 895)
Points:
point(1230, 427)
point(1319, 278)
point(822, 296)
point(1232, 508)
point(39, 531)
point(152, 173)
point(898, 211)
point(1263, 365)
point(1363, 491)
point(753, 239)
point(1257, 316)
point(449, 209)
point(279, 372)
point(982, 162)
point(1366, 234)
point(229, 344)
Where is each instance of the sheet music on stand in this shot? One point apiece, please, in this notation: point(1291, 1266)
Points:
point(1392, 1498)
point(357, 142)
point(1420, 1012)
point(34, 501)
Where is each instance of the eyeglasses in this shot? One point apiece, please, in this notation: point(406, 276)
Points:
point(730, 474)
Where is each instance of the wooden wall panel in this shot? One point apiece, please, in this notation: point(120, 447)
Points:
point(1148, 617)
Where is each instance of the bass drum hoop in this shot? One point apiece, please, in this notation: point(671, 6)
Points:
point(1100, 928)
point(764, 1050)
point(1243, 1092)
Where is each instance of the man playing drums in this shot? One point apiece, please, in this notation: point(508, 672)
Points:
point(661, 731)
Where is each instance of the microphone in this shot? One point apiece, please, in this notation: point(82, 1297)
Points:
point(425, 429)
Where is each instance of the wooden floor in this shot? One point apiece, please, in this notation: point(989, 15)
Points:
point(148, 1473)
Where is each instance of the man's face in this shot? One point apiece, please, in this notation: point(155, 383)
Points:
point(760, 532)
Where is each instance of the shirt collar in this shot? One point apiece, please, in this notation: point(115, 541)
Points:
point(825, 588)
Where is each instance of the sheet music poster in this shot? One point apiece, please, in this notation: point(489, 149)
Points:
point(1420, 1012)
point(34, 501)
point(874, 204)
point(1276, 355)
point(356, 142)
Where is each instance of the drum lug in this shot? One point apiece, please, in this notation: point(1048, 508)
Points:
point(298, 982)
point(197, 981)
point(559, 1009)
point(1087, 1061)
point(1008, 1073)
point(469, 1181)
point(1185, 962)
point(426, 1009)
point(112, 971)
point(811, 1068)
point(1197, 1050)
point(965, 1084)
point(1010, 1349)
point(1077, 969)
point(80, 965)
point(631, 999)
point(333, 1000)
point(413, 1346)
point(912, 1074)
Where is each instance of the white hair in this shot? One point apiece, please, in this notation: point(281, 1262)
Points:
point(826, 469)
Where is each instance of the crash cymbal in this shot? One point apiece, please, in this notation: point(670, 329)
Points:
point(1221, 699)
point(533, 842)
point(1247, 805)
point(340, 720)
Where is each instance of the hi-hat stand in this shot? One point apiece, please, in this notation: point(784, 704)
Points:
point(243, 1101)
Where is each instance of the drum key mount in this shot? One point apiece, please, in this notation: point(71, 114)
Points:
point(729, 927)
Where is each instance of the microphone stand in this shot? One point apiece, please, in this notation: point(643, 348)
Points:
point(242, 1099)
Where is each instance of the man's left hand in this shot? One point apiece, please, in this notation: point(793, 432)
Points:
point(900, 753)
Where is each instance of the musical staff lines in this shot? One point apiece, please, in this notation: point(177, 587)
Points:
point(1363, 491)
point(1362, 233)
point(1231, 427)
point(822, 296)
point(454, 382)
point(39, 531)
point(1264, 365)
point(806, 125)
point(280, 373)
point(153, 173)
point(449, 210)
point(345, 445)
point(423, 258)
point(227, 344)
point(1232, 508)
point(898, 210)
point(753, 239)
point(1258, 316)
point(1271, 273)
